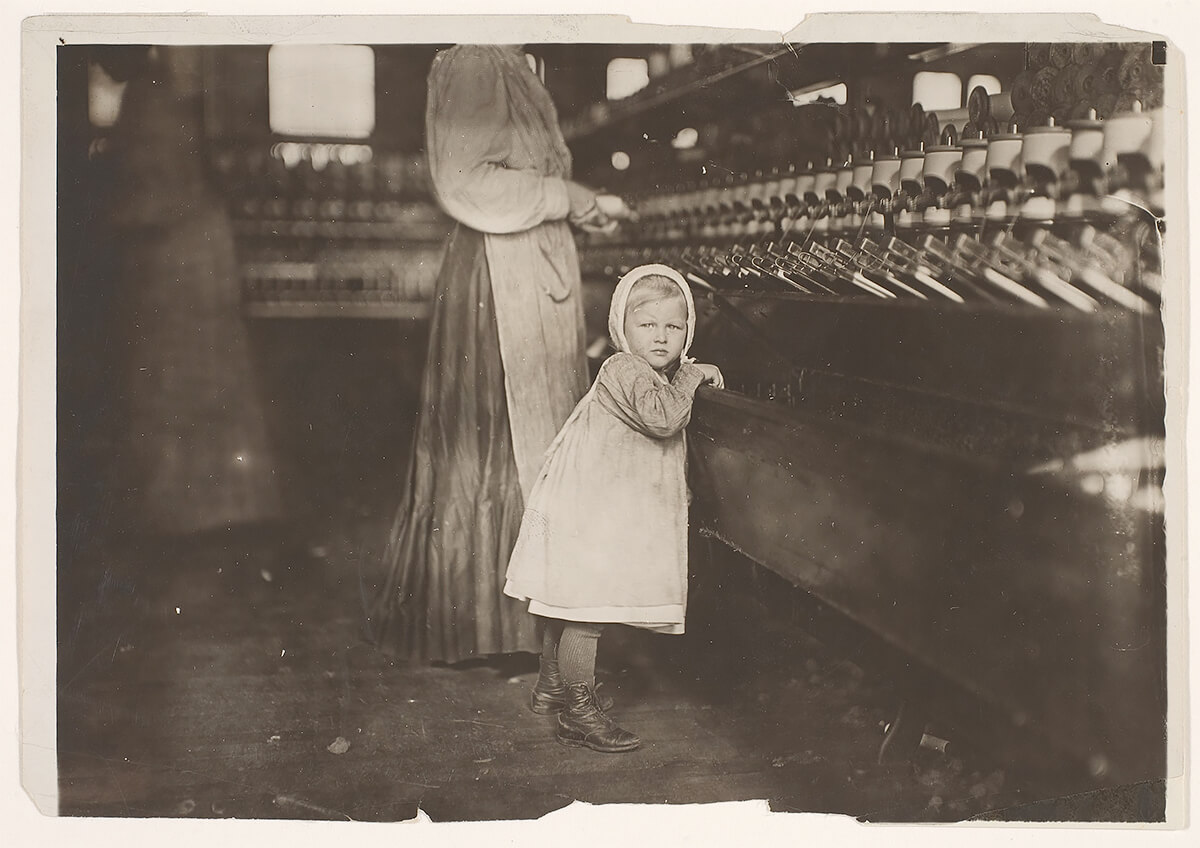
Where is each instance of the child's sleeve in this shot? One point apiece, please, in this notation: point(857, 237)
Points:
point(635, 395)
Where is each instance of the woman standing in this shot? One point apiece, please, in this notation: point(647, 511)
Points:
point(196, 450)
point(506, 362)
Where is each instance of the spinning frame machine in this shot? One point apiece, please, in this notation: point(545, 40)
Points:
point(944, 414)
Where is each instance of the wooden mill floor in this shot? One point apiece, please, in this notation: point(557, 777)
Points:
point(225, 676)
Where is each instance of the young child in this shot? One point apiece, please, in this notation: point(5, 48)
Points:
point(604, 535)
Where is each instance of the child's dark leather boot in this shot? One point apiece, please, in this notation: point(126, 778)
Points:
point(584, 724)
point(550, 693)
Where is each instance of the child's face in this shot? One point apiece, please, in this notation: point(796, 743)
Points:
point(656, 330)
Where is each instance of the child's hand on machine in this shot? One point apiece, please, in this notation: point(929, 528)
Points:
point(712, 375)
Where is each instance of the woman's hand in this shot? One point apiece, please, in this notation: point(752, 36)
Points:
point(712, 375)
point(615, 208)
point(597, 223)
point(596, 213)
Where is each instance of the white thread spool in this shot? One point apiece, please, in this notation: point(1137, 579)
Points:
point(885, 175)
point(912, 164)
point(1047, 148)
point(941, 162)
point(1004, 153)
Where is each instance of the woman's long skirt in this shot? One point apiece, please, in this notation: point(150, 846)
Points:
point(460, 512)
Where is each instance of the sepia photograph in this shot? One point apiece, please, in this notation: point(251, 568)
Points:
point(463, 420)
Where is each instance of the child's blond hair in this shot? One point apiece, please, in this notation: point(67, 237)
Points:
point(651, 289)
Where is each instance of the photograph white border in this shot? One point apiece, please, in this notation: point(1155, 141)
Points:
point(754, 21)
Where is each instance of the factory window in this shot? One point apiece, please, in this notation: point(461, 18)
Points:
point(321, 90)
point(835, 93)
point(104, 97)
point(934, 90)
point(626, 77)
point(537, 64)
point(680, 55)
point(989, 82)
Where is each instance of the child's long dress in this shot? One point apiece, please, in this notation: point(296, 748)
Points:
point(604, 538)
